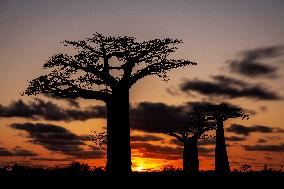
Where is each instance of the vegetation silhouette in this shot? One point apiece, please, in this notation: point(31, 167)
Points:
point(78, 169)
point(195, 128)
point(105, 68)
point(221, 113)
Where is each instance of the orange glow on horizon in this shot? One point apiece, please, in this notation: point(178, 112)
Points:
point(147, 164)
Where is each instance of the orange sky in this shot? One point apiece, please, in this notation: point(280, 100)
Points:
point(213, 34)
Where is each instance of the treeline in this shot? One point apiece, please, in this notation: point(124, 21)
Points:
point(81, 169)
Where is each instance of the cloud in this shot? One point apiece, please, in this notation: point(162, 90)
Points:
point(150, 117)
point(209, 141)
point(273, 137)
point(235, 138)
point(263, 108)
point(265, 148)
point(51, 159)
point(244, 130)
point(261, 140)
point(58, 139)
point(229, 88)
point(148, 150)
point(251, 62)
point(173, 92)
point(73, 102)
point(229, 81)
point(204, 150)
point(156, 151)
point(49, 111)
point(204, 142)
point(145, 137)
point(17, 151)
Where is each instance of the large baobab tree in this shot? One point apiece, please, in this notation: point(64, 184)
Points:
point(221, 113)
point(105, 68)
point(196, 127)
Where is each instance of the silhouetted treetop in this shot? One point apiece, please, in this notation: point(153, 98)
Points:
point(104, 63)
point(225, 111)
point(196, 126)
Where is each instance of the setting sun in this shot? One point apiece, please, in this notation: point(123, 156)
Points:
point(139, 169)
point(147, 164)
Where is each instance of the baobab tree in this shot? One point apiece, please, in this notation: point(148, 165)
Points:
point(196, 127)
point(105, 68)
point(221, 113)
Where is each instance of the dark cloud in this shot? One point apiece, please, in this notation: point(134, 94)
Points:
point(203, 151)
point(265, 148)
point(58, 139)
point(17, 151)
point(235, 138)
point(164, 152)
point(150, 117)
point(73, 102)
point(245, 130)
point(261, 140)
point(40, 109)
point(228, 88)
point(253, 69)
point(229, 81)
point(268, 158)
point(209, 141)
point(204, 142)
point(51, 159)
point(176, 142)
point(251, 62)
point(156, 151)
point(273, 137)
point(146, 137)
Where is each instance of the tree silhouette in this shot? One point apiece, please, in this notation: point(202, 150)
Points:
point(195, 128)
point(99, 138)
point(105, 68)
point(221, 113)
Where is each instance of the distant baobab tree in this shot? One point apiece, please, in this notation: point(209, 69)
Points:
point(195, 128)
point(105, 68)
point(221, 113)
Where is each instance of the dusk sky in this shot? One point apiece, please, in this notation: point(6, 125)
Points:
point(239, 48)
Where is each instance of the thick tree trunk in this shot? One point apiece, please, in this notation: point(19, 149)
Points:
point(222, 165)
point(190, 157)
point(118, 133)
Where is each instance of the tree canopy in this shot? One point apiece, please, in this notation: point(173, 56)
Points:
point(196, 126)
point(92, 71)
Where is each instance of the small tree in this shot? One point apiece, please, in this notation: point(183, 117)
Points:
point(221, 113)
point(196, 128)
point(105, 68)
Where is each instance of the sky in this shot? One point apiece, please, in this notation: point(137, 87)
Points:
point(239, 48)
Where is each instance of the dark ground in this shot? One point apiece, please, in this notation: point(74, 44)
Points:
point(81, 175)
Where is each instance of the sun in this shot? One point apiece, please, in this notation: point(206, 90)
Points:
point(139, 168)
point(146, 164)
